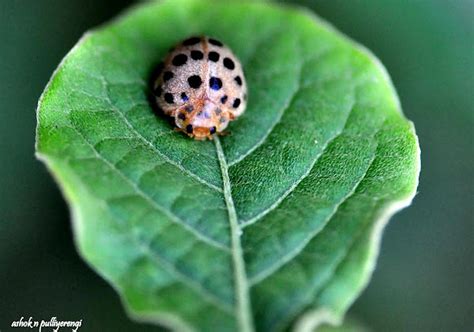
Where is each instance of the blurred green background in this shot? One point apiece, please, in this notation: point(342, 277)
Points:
point(425, 273)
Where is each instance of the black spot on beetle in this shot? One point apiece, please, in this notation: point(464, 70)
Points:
point(182, 116)
point(215, 83)
point(194, 81)
point(167, 76)
point(184, 96)
point(169, 98)
point(189, 128)
point(180, 59)
point(224, 99)
point(197, 55)
point(191, 41)
point(213, 56)
point(215, 42)
point(236, 103)
point(238, 80)
point(228, 63)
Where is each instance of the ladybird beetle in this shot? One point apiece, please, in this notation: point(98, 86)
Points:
point(201, 85)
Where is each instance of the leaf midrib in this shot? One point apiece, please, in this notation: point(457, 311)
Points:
point(243, 307)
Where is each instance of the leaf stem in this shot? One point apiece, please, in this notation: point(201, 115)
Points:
point(243, 306)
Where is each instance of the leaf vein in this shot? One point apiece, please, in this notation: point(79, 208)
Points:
point(287, 258)
point(148, 143)
point(152, 202)
point(282, 110)
point(298, 249)
point(309, 294)
point(180, 276)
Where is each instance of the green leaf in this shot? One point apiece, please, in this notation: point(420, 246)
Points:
point(276, 225)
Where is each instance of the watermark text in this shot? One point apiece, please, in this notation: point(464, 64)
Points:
point(53, 324)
